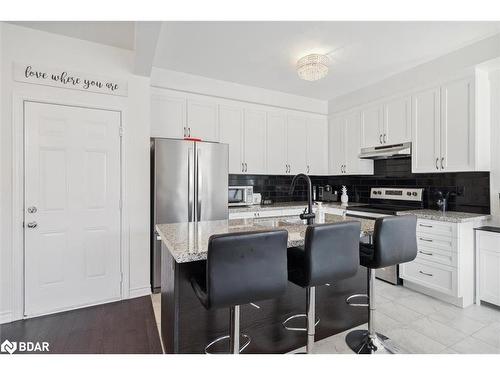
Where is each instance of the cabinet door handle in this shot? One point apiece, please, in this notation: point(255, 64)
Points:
point(423, 252)
point(385, 138)
point(246, 167)
point(189, 132)
point(437, 161)
point(426, 274)
point(426, 226)
point(380, 138)
point(184, 131)
point(442, 163)
point(425, 239)
point(242, 167)
point(307, 169)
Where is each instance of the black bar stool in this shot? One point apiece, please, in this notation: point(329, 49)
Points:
point(394, 242)
point(330, 254)
point(242, 268)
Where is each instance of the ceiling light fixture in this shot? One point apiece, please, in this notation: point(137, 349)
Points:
point(313, 67)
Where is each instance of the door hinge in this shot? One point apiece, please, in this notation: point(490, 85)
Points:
point(120, 131)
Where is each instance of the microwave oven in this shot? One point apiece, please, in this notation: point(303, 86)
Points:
point(240, 196)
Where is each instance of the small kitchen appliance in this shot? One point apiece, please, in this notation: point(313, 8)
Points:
point(240, 196)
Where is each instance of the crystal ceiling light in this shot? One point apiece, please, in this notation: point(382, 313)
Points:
point(313, 67)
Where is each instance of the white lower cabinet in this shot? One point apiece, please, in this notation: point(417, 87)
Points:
point(444, 266)
point(488, 259)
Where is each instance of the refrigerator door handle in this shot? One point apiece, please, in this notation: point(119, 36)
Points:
point(190, 184)
point(199, 185)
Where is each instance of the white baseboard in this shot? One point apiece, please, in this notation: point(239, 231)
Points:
point(139, 292)
point(457, 301)
point(5, 317)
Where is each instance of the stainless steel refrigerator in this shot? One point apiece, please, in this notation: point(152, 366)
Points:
point(189, 182)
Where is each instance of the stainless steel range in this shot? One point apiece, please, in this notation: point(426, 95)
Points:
point(386, 202)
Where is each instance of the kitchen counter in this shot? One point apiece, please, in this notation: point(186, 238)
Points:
point(448, 216)
point(188, 242)
point(284, 205)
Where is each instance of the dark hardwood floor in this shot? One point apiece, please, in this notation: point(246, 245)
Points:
point(120, 327)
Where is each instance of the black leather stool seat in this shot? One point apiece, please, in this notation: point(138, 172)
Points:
point(394, 242)
point(242, 268)
point(329, 254)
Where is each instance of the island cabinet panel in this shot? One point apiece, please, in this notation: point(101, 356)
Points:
point(187, 327)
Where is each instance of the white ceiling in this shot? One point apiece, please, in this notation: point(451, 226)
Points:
point(112, 33)
point(264, 54)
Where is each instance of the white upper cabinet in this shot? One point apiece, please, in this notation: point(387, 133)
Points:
point(168, 115)
point(336, 144)
point(345, 145)
point(457, 131)
point(317, 146)
point(231, 132)
point(254, 135)
point(276, 143)
point(397, 121)
point(202, 121)
point(371, 126)
point(296, 136)
point(448, 134)
point(352, 140)
point(426, 148)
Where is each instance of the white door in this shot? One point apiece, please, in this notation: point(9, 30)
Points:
point(202, 120)
point(371, 127)
point(336, 145)
point(297, 144)
point(397, 121)
point(317, 146)
point(426, 148)
point(168, 116)
point(255, 141)
point(276, 143)
point(457, 137)
point(231, 132)
point(72, 181)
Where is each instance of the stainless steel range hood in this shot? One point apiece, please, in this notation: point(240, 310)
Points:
point(400, 150)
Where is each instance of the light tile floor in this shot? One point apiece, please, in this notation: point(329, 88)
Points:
point(419, 324)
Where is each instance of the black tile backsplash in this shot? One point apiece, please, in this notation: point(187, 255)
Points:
point(469, 191)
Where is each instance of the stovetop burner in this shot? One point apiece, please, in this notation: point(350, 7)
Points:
point(389, 201)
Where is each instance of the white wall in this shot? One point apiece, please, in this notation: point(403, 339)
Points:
point(495, 141)
point(18, 44)
point(444, 67)
point(229, 90)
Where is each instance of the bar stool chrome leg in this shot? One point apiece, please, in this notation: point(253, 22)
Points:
point(234, 334)
point(369, 341)
point(311, 314)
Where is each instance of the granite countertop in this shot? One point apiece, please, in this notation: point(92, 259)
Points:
point(448, 216)
point(188, 242)
point(284, 205)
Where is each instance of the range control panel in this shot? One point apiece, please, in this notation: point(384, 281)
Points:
point(397, 194)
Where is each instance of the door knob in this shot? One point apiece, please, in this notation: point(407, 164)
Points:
point(32, 210)
point(32, 224)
